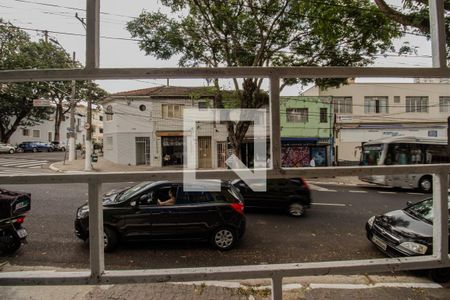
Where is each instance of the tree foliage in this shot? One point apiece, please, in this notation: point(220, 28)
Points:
point(415, 14)
point(17, 51)
point(264, 33)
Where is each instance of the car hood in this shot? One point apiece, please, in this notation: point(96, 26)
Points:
point(405, 226)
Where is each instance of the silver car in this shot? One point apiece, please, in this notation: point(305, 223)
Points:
point(7, 148)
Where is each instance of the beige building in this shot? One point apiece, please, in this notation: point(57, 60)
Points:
point(369, 111)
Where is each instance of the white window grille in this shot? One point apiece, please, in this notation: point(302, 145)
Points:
point(377, 105)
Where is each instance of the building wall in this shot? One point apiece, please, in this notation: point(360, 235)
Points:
point(359, 126)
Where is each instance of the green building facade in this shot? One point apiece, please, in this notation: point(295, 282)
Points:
point(306, 131)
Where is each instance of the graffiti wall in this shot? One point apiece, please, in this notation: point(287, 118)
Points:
point(295, 156)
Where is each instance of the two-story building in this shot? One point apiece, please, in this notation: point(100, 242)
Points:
point(369, 111)
point(145, 127)
point(306, 131)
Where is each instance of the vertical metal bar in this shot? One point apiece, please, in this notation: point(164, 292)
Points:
point(440, 216)
point(277, 287)
point(275, 140)
point(437, 33)
point(92, 34)
point(96, 241)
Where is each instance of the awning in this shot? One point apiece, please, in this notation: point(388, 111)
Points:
point(299, 140)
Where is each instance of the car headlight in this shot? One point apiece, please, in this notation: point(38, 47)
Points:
point(414, 247)
point(370, 221)
point(82, 212)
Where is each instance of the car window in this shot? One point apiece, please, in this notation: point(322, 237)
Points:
point(198, 197)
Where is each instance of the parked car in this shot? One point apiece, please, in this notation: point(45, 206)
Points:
point(290, 195)
point(136, 213)
point(57, 146)
point(35, 147)
point(7, 148)
point(407, 232)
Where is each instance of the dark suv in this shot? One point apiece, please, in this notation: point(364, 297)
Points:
point(290, 195)
point(135, 214)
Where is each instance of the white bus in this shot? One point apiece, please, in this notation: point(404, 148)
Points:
point(404, 150)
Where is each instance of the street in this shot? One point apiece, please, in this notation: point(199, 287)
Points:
point(333, 229)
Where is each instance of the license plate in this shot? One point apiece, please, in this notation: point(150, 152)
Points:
point(377, 241)
point(21, 233)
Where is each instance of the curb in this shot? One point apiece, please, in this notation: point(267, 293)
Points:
point(55, 169)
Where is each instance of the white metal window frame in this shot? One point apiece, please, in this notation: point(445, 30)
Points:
point(444, 103)
point(97, 273)
point(343, 105)
point(297, 115)
point(376, 105)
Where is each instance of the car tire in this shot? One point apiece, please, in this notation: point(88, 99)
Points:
point(35, 150)
point(426, 184)
point(111, 239)
point(11, 151)
point(63, 149)
point(441, 275)
point(224, 238)
point(296, 209)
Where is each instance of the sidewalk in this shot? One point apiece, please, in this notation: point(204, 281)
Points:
point(103, 165)
point(322, 287)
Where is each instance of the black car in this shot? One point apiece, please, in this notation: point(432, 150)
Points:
point(137, 213)
point(407, 232)
point(290, 195)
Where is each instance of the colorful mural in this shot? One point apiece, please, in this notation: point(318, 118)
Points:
point(295, 156)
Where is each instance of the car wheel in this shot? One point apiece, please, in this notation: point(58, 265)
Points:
point(296, 209)
point(35, 150)
point(11, 151)
point(63, 149)
point(441, 275)
point(426, 184)
point(111, 239)
point(224, 238)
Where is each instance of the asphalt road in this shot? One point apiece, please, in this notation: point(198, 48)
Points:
point(332, 230)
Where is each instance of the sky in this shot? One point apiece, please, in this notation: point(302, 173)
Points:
point(117, 51)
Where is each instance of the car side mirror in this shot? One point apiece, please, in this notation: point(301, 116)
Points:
point(409, 203)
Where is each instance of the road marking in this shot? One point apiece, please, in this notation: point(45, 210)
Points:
point(328, 204)
point(361, 192)
point(319, 188)
point(415, 193)
point(382, 192)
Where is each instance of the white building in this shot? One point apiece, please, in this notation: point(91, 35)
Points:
point(145, 127)
point(45, 131)
point(368, 111)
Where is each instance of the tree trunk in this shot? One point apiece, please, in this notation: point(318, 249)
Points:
point(58, 118)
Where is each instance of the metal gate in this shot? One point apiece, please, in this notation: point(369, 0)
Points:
point(142, 150)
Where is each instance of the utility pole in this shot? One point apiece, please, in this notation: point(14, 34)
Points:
point(72, 133)
point(88, 145)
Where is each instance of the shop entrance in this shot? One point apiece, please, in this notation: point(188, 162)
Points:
point(172, 150)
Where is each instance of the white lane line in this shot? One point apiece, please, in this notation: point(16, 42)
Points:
point(381, 192)
point(361, 192)
point(328, 204)
point(319, 188)
point(415, 193)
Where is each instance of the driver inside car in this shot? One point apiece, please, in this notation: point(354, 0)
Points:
point(170, 201)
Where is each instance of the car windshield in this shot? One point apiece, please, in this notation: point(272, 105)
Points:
point(423, 210)
point(132, 191)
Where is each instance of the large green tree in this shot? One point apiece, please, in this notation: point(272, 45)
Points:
point(17, 51)
point(259, 33)
point(414, 14)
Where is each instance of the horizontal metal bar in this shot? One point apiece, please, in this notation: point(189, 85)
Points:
point(105, 177)
point(222, 273)
point(231, 72)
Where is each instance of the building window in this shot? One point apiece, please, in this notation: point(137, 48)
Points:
point(100, 130)
point(109, 143)
point(343, 105)
point(25, 132)
point(172, 111)
point(444, 103)
point(36, 133)
point(109, 113)
point(142, 107)
point(377, 105)
point(101, 118)
point(323, 115)
point(297, 115)
point(202, 105)
point(417, 104)
point(396, 99)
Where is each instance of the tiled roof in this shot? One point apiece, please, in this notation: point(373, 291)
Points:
point(167, 91)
